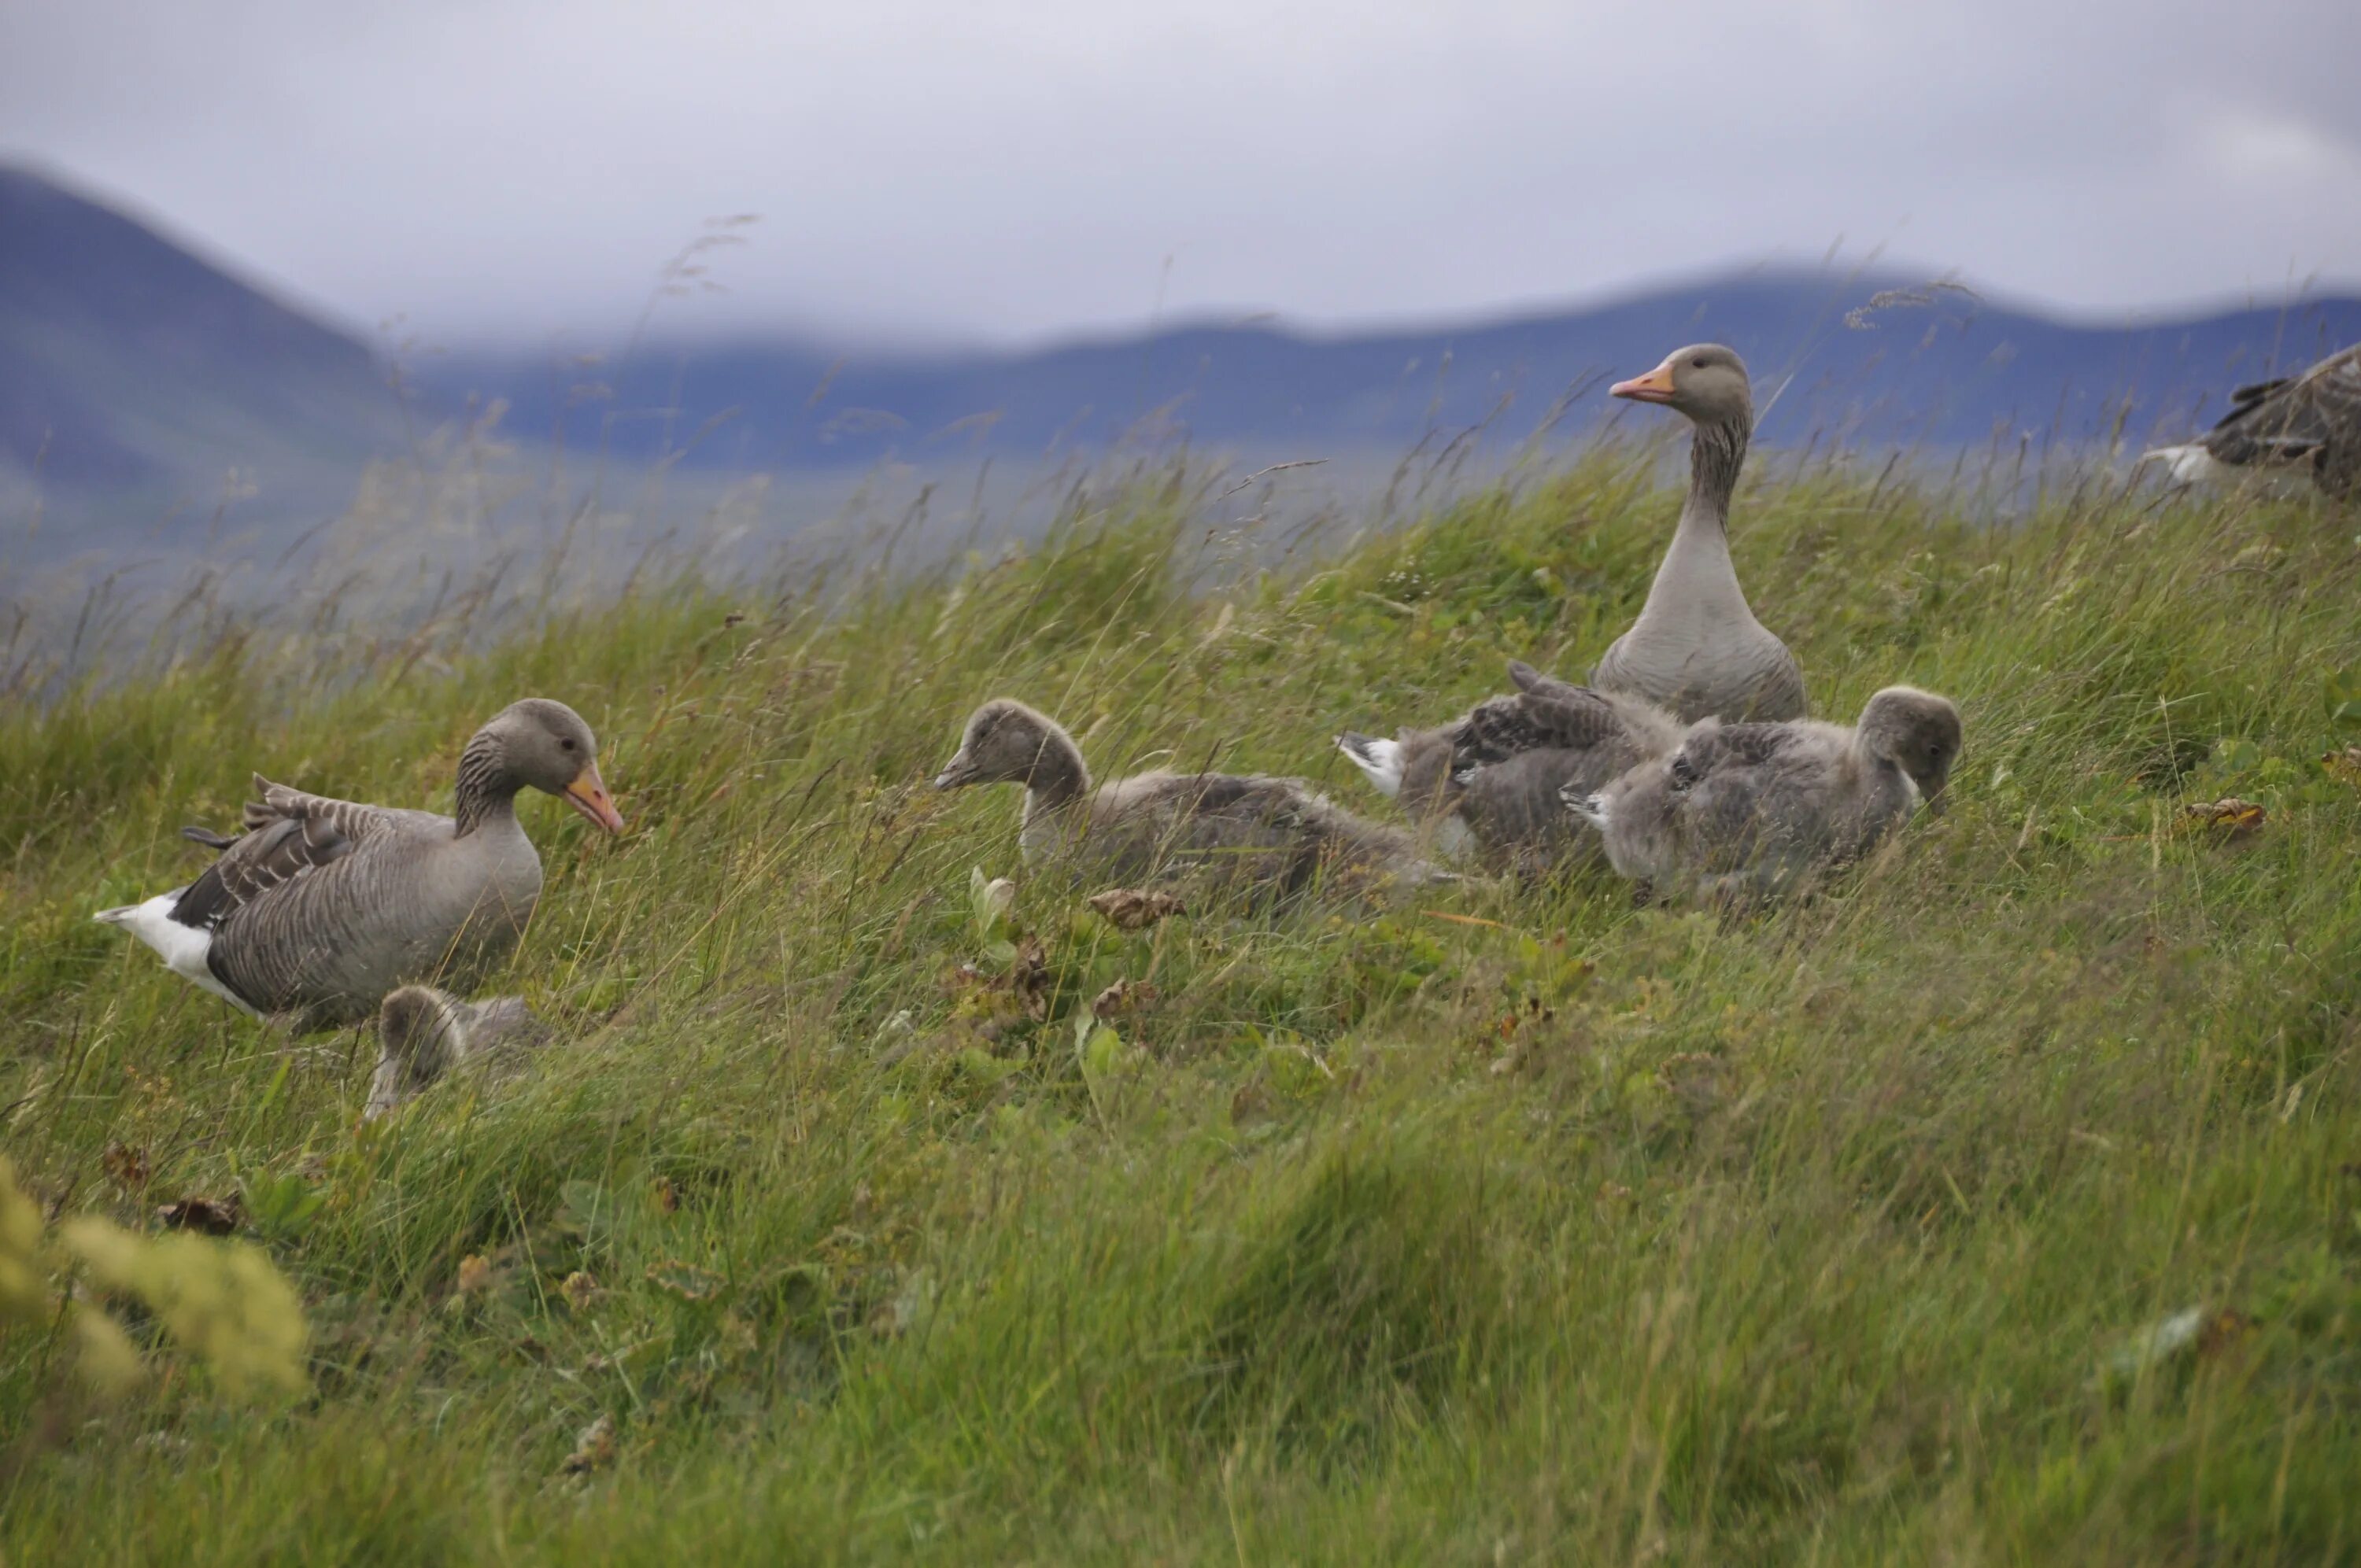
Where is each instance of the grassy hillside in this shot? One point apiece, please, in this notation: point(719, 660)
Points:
point(1510, 1225)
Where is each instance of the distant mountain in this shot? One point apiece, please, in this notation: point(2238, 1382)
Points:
point(1870, 361)
point(127, 363)
point(131, 369)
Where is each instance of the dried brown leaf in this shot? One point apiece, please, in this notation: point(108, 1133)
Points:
point(2229, 816)
point(1125, 995)
point(208, 1216)
point(1133, 909)
point(2223, 1329)
point(1028, 978)
point(125, 1165)
point(594, 1448)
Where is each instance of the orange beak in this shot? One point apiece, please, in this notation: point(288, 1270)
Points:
point(588, 795)
point(1656, 387)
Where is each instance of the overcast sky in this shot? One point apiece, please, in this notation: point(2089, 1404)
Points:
point(521, 168)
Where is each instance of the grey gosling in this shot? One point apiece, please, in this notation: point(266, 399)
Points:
point(2313, 419)
point(321, 907)
point(1760, 809)
point(1277, 834)
point(424, 1034)
point(1696, 648)
point(1495, 777)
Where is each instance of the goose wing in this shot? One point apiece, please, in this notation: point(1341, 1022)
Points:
point(2298, 416)
point(1529, 679)
point(1248, 813)
point(289, 835)
point(349, 818)
point(1715, 748)
point(1248, 809)
point(1547, 716)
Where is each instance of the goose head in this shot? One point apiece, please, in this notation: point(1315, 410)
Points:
point(1917, 733)
point(545, 745)
point(1705, 381)
point(1005, 743)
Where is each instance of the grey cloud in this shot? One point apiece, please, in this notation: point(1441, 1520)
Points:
point(521, 167)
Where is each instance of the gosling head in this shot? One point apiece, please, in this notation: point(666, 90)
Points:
point(1005, 743)
point(1917, 733)
point(422, 1034)
point(1705, 381)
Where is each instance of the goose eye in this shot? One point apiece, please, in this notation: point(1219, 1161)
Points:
point(565, 745)
point(1696, 364)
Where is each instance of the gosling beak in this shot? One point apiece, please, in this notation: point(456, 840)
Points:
point(1656, 387)
point(957, 772)
point(1939, 802)
point(588, 795)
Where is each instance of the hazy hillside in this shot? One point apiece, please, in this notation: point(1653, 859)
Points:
point(125, 361)
point(1934, 369)
point(136, 379)
point(1999, 1206)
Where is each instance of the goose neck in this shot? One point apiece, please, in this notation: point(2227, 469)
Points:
point(487, 791)
point(1059, 777)
point(1717, 453)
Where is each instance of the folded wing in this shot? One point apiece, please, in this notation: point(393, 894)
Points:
point(288, 835)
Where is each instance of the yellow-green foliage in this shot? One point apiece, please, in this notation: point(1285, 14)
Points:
point(221, 1300)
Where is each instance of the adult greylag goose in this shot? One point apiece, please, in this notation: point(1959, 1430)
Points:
point(424, 1034)
point(1696, 648)
point(322, 907)
point(2314, 418)
point(1495, 776)
point(1760, 807)
point(1276, 834)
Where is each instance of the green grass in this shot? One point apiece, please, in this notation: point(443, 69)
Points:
point(1586, 1234)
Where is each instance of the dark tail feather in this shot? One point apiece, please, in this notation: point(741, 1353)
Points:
point(209, 838)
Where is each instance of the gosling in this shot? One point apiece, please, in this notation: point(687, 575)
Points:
point(1275, 835)
point(1754, 809)
point(1493, 779)
point(426, 1035)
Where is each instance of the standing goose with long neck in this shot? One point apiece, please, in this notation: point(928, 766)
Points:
point(1696, 648)
point(322, 907)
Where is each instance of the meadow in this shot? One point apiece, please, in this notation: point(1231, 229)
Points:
point(2000, 1204)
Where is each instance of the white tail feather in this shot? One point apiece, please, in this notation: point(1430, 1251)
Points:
point(183, 948)
point(1381, 759)
point(1591, 809)
point(2188, 464)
